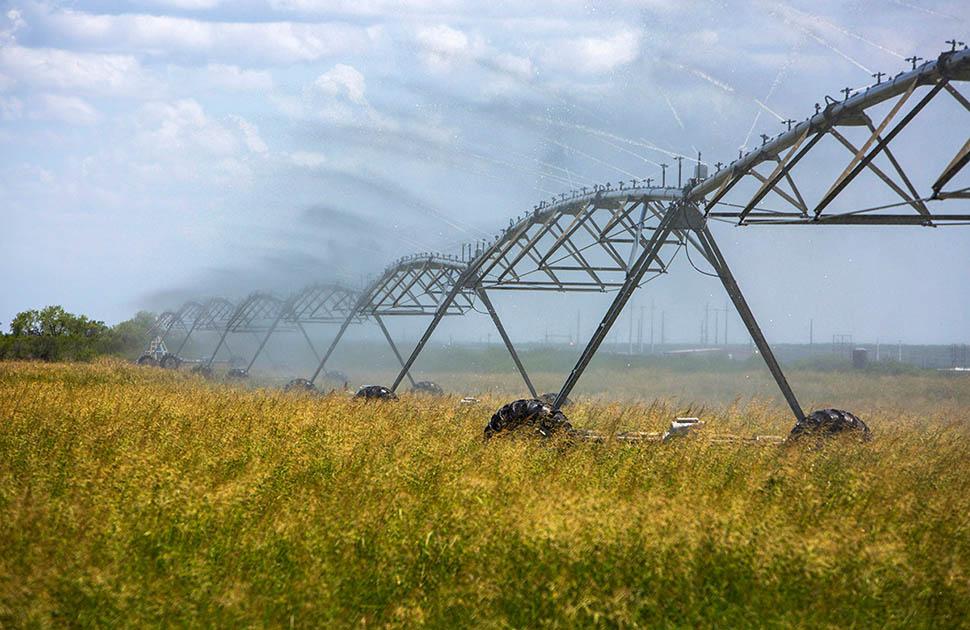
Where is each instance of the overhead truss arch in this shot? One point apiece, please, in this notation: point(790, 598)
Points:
point(616, 237)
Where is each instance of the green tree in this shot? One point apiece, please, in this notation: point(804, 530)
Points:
point(25, 323)
point(53, 334)
point(131, 336)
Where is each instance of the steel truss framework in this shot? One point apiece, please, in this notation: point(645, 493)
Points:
point(210, 316)
point(181, 319)
point(418, 285)
point(618, 237)
point(632, 229)
point(264, 314)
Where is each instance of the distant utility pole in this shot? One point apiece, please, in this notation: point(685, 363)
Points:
point(577, 327)
point(652, 306)
point(811, 332)
point(663, 328)
point(630, 337)
point(725, 322)
point(640, 332)
point(899, 351)
point(707, 318)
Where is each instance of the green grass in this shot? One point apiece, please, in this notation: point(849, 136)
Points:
point(133, 497)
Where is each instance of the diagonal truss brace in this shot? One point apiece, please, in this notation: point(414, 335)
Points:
point(959, 161)
point(650, 253)
point(505, 338)
point(714, 256)
point(390, 341)
point(685, 217)
point(860, 161)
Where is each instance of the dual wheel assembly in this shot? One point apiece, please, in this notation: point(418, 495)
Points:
point(379, 392)
point(537, 417)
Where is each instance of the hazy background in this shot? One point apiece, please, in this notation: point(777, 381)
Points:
point(155, 150)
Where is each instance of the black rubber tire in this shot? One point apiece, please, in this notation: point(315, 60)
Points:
point(535, 415)
point(237, 373)
point(550, 397)
point(375, 392)
point(299, 385)
point(170, 362)
point(427, 387)
point(147, 360)
point(829, 422)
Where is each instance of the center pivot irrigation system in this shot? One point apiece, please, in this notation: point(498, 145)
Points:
point(617, 237)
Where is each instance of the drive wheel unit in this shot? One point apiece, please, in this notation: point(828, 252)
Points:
point(300, 385)
point(375, 392)
point(429, 388)
point(535, 416)
point(828, 423)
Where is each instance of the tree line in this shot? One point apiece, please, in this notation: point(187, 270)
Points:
point(53, 334)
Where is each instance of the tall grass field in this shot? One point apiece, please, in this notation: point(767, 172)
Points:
point(137, 497)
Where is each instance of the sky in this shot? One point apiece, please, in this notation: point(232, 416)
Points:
point(157, 150)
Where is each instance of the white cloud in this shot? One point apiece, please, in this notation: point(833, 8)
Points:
point(254, 142)
point(52, 68)
point(521, 67)
point(591, 55)
point(343, 81)
point(236, 78)
point(183, 125)
point(191, 5)
point(14, 22)
point(11, 108)
point(307, 159)
point(444, 48)
point(68, 109)
point(444, 40)
point(366, 7)
point(160, 35)
point(338, 96)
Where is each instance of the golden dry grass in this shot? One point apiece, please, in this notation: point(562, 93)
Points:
point(140, 497)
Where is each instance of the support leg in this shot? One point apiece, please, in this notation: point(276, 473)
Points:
point(168, 329)
point(438, 315)
point(713, 254)
point(333, 344)
point(268, 355)
point(508, 343)
point(647, 257)
point(262, 344)
point(222, 340)
point(387, 335)
point(185, 340)
point(313, 348)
